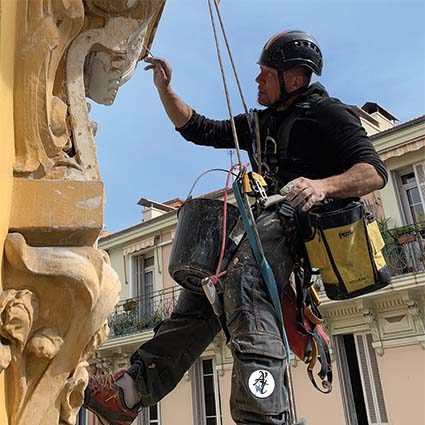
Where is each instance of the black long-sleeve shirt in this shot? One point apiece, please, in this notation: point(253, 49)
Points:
point(325, 141)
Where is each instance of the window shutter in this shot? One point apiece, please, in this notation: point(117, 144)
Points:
point(197, 393)
point(377, 380)
point(142, 419)
point(372, 387)
point(419, 170)
point(138, 275)
point(366, 379)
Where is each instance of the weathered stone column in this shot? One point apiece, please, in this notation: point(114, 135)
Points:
point(7, 52)
point(57, 288)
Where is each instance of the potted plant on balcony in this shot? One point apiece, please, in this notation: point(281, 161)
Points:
point(150, 321)
point(406, 234)
point(130, 305)
point(124, 323)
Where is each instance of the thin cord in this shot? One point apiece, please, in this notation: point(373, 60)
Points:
point(229, 52)
point(218, 273)
point(229, 108)
point(252, 119)
point(202, 175)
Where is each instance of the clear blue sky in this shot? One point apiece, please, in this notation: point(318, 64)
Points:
point(374, 50)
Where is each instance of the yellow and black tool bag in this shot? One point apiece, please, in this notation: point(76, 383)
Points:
point(345, 244)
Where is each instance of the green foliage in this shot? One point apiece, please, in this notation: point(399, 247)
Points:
point(384, 224)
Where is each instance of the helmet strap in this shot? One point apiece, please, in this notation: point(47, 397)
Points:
point(284, 95)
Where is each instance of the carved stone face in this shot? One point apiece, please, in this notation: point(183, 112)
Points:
point(86, 49)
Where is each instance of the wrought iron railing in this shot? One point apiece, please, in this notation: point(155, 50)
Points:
point(137, 314)
point(404, 249)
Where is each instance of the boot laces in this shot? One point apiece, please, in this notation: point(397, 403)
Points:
point(103, 383)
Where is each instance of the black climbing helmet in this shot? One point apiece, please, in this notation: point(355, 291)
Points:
point(288, 49)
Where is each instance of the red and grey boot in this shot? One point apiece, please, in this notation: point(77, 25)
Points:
point(105, 399)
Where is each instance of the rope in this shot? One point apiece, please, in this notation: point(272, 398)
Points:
point(232, 121)
point(229, 52)
point(252, 118)
point(226, 91)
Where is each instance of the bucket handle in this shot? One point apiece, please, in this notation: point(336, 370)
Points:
point(189, 196)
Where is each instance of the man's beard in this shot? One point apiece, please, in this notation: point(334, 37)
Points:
point(265, 103)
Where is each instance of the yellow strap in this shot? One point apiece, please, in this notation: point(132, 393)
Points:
point(314, 355)
point(311, 316)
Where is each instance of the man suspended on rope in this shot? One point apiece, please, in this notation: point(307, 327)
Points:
point(315, 143)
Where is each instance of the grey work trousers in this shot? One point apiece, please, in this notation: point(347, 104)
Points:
point(259, 392)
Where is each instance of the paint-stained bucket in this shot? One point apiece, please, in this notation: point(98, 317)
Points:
point(197, 242)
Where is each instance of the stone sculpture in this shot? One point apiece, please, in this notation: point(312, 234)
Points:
point(57, 288)
point(53, 316)
point(71, 49)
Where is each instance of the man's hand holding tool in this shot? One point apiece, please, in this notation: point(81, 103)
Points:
point(162, 71)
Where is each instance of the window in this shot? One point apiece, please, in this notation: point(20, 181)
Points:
point(144, 268)
point(150, 416)
point(206, 402)
point(412, 183)
point(361, 387)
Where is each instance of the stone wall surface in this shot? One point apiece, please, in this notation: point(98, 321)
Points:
point(57, 288)
point(7, 51)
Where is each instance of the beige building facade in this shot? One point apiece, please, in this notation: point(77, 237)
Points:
point(378, 340)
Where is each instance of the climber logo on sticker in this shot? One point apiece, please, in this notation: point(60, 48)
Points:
point(261, 383)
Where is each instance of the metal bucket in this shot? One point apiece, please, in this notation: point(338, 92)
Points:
point(197, 243)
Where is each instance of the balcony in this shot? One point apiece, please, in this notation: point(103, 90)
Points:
point(142, 313)
point(404, 249)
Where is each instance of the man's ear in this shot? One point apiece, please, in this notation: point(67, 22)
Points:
point(298, 81)
point(294, 80)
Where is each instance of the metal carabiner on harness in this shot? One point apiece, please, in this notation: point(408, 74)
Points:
point(254, 184)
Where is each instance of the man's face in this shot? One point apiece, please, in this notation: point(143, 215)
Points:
point(268, 86)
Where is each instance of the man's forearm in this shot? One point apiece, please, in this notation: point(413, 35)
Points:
point(359, 180)
point(178, 111)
